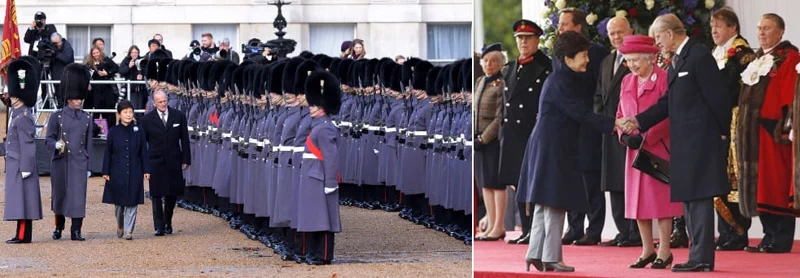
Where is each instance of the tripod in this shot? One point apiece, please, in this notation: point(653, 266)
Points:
point(48, 96)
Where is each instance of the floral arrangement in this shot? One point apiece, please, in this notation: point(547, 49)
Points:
point(695, 14)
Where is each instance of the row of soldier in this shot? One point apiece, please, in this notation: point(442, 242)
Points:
point(248, 126)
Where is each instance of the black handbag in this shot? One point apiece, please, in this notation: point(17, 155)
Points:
point(652, 164)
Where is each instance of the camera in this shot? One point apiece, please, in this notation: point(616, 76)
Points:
point(253, 48)
point(39, 24)
point(222, 54)
point(196, 50)
point(45, 50)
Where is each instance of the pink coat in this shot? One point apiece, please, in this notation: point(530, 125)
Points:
point(645, 196)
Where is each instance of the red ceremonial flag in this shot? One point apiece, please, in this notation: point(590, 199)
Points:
point(11, 47)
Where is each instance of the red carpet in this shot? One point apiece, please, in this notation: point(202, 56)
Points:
point(498, 259)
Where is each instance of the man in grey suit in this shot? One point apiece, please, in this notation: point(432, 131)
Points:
point(698, 107)
point(606, 100)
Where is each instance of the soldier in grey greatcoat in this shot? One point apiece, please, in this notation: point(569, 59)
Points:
point(23, 202)
point(69, 140)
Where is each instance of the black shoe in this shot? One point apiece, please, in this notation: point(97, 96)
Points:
point(299, 258)
point(159, 232)
point(662, 264)
point(537, 263)
point(168, 229)
point(732, 245)
point(57, 234)
point(486, 238)
point(15, 240)
point(525, 240)
point(773, 250)
point(679, 239)
point(613, 242)
point(514, 240)
point(76, 236)
point(643, 262)
point(630, 243)
point(568, 239)
point(317, 262)
point(693, 267)
point(586, 241)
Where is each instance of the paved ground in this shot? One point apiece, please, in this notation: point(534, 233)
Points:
point(373, 244)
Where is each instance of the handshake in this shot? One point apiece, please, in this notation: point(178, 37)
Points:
point(626, 125)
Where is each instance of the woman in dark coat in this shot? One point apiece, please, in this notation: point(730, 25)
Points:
point(125, 167)
point(549, 170)
point(130, 71)
point(103, 96)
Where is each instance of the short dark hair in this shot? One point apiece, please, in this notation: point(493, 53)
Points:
point(153, 41)
point(578, 17)
point(94, 41)
point(777, 19)
point(122, 105)
point(569, 44)
point(728, 16)
point(207, 35)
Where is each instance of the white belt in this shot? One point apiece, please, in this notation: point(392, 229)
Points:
point(285, 148)
point(348, 124)
point(259, 144)
point(267, 142)
point(202, 133)
point(252, 141)
point(402, 130)
point(233, 140)
point(459, 139)
point(214, 129)
point(226, 135)
point(431, 141)
point(418, 133)
point(190, 128)
point(274, 148)
point(391, 129)
point(298, 149)
point(241, 139)
point(438, 136)
point(373, 128)
point(468, 143)
point(309, 156)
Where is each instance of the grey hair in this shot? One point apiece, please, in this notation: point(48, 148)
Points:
point(55, 35)
point(225, 41)
point(500, 56)
point(667, 22)
point(159, 92)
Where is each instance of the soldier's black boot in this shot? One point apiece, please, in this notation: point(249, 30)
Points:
point(60, 219)
point(679, 238)
point(75, 229)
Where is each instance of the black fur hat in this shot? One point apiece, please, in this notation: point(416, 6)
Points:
point(408, 71)
point(276, 77)
point(334, 67)
point(75, 81)
point(466, 75)
point(453, 82)
point(396, 79)
point(306, 54)
point(172, 72)
point(227, 76)
point(163, 69)
point(191, 74)
point(302, 73)
point(344, 70)
point(151, 71)
point(370, 69)
point(26, 86)
point(430, 81)
point(238, 79)
point(216, 74)
point(442, 79)
point(261, 87)
point(289, 72)
point(387, 69)
point(323, 90)
point(421, 74)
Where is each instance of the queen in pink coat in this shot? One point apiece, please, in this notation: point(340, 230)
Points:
point(646, 198)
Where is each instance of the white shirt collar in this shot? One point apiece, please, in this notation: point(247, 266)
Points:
point(165, 113)
point(768, 50)
point(678, 52)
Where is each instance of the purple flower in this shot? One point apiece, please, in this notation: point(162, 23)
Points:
point(664, 11)
point(690, 4)
point(554, 19)
point(601, 27)
point(547, 3)
point(689, 20)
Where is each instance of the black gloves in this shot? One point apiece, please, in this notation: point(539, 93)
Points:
point(633, 142)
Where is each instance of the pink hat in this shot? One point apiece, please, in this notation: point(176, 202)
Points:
point(638, 44)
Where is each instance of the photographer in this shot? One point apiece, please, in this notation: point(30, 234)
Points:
point(160, 40)
point(209, 48)
point(39, 30)
point(194, 52)
point(102, 96)
point(226, 53)
point(58, 53)
point(129, 69)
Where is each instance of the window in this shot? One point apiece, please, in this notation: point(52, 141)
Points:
point(218, 32)
point(327, 38)
point(80, 37)
point(448, 41)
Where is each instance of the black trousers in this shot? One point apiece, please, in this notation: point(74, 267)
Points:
point(24, 230)
point(320, 246)
point(727, 233)
point(778, 231)
point(77, 223)
point(299, 242)
point(628, 229)
point(700, 225)
point(597, 203)
point(163, 210)
point(525, 218)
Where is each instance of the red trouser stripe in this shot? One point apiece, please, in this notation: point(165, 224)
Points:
point(21, 235)
point(325, 257)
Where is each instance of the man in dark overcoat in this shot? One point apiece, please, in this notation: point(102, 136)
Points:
point(168, 142)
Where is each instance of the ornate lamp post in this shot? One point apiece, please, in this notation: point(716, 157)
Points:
point(280, 47)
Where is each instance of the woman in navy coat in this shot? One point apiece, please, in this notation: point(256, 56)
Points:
point(550, 176)
point(125, 167)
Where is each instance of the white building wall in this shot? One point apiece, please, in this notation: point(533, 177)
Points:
point(389, 27)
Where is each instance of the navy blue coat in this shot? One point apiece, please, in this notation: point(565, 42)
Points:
point(550, 174)
point(126, 163)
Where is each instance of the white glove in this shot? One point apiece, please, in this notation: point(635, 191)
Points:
point(59, 145)
point(88, 174)
point(329, 190)
point(25, 175)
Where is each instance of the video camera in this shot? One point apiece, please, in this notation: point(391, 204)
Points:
point(45, 51)
point(253, 47)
